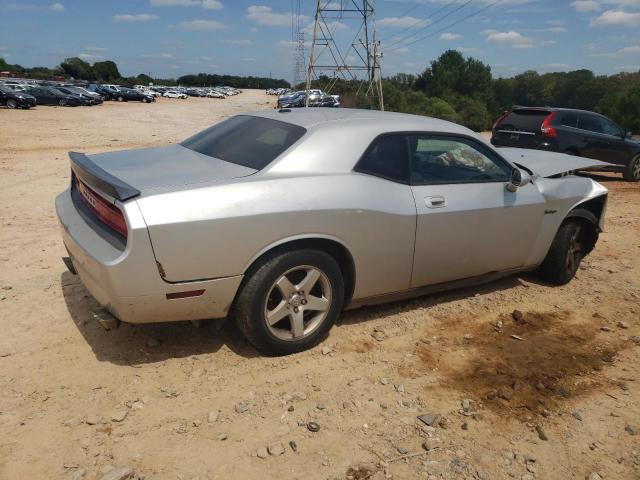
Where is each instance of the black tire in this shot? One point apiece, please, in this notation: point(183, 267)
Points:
point(120, 98)
point(62, 102)
point(145, 100)
point(11, 103)
point(632, 172)
point(255, 293)
point(567, 250)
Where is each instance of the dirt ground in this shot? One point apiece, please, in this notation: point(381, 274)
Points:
point(561, 399)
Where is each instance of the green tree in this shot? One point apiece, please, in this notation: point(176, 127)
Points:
point(77, 68)
point(106, 71)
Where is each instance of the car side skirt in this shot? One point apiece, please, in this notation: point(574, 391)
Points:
point(436, 288)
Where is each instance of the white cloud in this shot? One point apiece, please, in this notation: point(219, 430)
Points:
point(211, 4)
point(555, 67)
point(208, 4)
point(616, 18)
point(509, 39)
point(450, 37)
point(95, 49)
point(139, 17)
point(56, 7)
point(248, 59)
point(239, 41)
point(586, 5)
point(89, 56)
point(402, 22)
point(629, 50)
point(200, 24)
point(401, 50)
point(466, 49)
point(156, 56)
point(263, 15)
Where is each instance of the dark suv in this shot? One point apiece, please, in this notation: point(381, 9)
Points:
point(574, 132)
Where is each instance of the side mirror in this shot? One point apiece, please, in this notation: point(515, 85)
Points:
point(518, 179)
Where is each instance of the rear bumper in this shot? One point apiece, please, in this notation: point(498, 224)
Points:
point(126, 282)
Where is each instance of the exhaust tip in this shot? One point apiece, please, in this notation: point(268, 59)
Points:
point(106, 319)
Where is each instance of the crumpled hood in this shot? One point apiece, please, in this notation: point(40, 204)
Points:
point(161, 169)
point(548, 164)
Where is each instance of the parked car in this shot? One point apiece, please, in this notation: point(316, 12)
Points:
point(95, 95)
point(376, 206)
point(215, 94)
point(50, 96)
point(105, 93)
point(174, 94)
point(130, 95)
point(574, 132)
point(13, 99)
point(85, 98)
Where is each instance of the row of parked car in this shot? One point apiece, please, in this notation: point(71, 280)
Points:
point(278, 91)
point(317, 98)
point(27, 94)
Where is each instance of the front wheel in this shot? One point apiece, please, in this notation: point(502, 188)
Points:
point(565, 254)
point(632, 172)
point(62, 102)
point(290, 301)
point(11, 103)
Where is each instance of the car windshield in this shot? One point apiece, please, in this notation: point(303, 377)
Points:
point(252, 142)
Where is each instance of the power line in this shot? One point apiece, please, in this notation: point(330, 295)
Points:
point(435, 22)
point(450, 25)
point(420, 21)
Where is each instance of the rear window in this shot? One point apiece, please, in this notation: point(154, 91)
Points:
point(252, 142)
point(526, 120)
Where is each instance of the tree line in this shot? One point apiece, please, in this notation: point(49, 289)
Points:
point(463, 90)
point(107, 72)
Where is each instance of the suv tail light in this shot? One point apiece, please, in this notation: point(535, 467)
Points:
point(106, 212)
point(546, 128)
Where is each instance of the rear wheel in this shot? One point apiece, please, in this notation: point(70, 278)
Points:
point(567, 251)
point(11, 103)
point(120, 98)
point(632, 172)
point(290, 301)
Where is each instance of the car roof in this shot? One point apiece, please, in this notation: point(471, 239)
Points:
point(317, 117)
point(555, 109)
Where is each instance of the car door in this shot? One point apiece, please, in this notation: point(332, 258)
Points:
point(616, 150)
point(468, 223)
point(595, 142)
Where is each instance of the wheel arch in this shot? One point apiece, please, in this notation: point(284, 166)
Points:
point(589, 213)
point(333, 246)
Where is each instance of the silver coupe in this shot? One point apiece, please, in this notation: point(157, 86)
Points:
point(283, 218)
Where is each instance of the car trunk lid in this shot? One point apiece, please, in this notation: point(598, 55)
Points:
point(131, 173)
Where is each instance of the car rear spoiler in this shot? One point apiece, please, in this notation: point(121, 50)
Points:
point(93, 175)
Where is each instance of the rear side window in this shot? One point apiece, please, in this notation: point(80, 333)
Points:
point(524, 120)
point(590, 123)
point(387, 157)
point(252, 142)
point(570, 120)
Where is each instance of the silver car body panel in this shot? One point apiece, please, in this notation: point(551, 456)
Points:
point(200, 223)
point(548, 164)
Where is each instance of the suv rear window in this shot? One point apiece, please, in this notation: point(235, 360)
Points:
point(252, 142)
point(524, 120)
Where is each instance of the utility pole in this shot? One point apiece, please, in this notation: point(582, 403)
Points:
point(357, 62)
point(297, 39)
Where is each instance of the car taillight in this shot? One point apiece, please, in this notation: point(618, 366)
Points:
point(108, 213)
point(546, 128)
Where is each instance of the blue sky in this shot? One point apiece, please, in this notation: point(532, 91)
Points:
point(169, 38)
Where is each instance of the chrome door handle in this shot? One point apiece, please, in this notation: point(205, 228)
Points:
point(436, 201)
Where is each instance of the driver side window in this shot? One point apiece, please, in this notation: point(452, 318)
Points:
point(446, 159)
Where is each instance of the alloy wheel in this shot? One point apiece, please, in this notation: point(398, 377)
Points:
point(636, 169)
point(11, 103)
point(297, 303)
point(574, 255)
